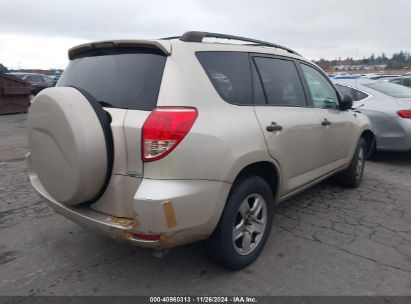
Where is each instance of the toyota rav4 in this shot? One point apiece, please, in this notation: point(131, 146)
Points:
point(165, 142)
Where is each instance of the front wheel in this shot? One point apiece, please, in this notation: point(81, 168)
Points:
point(352, 176)
point(244, 226)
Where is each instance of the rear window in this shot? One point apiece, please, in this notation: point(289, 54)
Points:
point(230, 74)
point(390, 89)
point(122, 78)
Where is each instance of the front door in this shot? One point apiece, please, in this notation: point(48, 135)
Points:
point(337, 126)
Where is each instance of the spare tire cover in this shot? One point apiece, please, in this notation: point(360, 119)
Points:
point(69, 144)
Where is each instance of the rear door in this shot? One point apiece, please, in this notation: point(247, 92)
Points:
point(126, 82)
point(338, 127)
point(291, 129)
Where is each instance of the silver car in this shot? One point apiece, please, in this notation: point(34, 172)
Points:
point(387, 105)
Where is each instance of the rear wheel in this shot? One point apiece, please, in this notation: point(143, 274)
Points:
point(244, 226)
point(352, 176)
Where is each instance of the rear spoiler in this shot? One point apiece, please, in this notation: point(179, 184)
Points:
point(163, 45)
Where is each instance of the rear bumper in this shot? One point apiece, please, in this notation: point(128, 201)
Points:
point(177, 211)
point(392, 133)
point(395, 141)
point(399, 144)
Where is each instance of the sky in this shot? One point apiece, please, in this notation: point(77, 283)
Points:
point(37, 34)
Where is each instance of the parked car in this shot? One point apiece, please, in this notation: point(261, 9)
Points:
point(387, 105)
point(161, 143)
point(403, 80)
point(344, 77)
point(380, 76)
point(55, 77)
point(38, 81)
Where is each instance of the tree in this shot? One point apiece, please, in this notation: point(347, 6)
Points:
point(400, 60)
point(3, 69)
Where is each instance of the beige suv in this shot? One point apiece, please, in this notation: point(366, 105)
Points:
point(165, 142)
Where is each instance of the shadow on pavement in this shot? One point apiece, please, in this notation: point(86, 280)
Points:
point(392, 158)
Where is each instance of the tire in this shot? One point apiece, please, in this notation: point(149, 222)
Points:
point(245, 195)
point(71, 145)
point(352, 176)
point(373, 155)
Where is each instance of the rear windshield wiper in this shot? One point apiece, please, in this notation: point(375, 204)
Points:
point(109, 105)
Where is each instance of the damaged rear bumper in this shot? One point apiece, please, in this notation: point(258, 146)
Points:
point(177, 211)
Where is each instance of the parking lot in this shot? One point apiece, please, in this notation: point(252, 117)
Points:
point(326, 241)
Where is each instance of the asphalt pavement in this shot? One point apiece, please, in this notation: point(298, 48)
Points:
point(328, 240)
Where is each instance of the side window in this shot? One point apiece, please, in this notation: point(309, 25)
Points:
point(355, 94)
point(282, 85)
point(323, 94)
point(397, 81)
point(47, 80)
point(345, 90)
point(230, 74)
point(359, 95)
point(36, 78)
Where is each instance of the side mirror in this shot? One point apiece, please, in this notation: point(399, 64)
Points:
point(346, 102)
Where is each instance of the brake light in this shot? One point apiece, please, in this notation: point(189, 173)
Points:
point(164, 129)
point(404, 113)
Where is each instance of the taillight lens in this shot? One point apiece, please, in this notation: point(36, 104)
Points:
point(144, 236)
point(164, 129)
point(404, 113)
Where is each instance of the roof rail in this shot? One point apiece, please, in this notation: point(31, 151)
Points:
point(195, 36)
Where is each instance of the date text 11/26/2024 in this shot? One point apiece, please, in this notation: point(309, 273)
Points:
point(205, 299)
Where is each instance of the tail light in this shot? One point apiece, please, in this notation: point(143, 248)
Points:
point(404, 113)
point(144, 236)
point(164, 129)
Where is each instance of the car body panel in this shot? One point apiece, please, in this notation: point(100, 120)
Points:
point(193, 210)
point(297, 164)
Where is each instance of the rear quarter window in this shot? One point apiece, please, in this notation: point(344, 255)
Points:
point(344, 90)
point(360, 95)
point(123, 78)
point(230, 74)
point(355, 94)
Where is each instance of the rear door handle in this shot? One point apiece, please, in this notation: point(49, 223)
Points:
point(273, 127)
point(326, 122)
